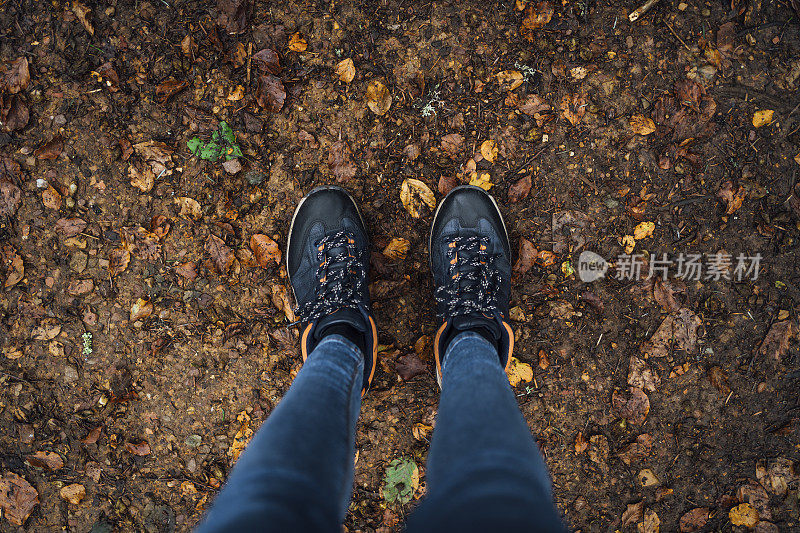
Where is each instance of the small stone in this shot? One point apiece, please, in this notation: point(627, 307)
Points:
point(193, 441)
point(73, 493)
point(70, 374)
point(78, 261)
point(254, 177)
point(59, 120)
point(232, 166)
point(191, 465)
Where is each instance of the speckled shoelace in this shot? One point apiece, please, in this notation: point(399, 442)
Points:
point(474, 280)
point(341, 278)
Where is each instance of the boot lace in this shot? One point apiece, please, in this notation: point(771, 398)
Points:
point(341, 275)
point(474, 280)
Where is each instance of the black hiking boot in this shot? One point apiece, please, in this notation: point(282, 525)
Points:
point(327, 256)
point(471, 263)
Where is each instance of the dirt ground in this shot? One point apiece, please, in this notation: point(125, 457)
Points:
point(143, 327)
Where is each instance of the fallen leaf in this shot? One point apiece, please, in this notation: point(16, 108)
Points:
point(234, 15)
point(83, 13)
point(80, 287)
point(483, 181)
point(536, 16)
point(169, 88)
point(265, 249)
point(568, 230)
point(189, 207)
point(518, 372)
point(141, 309)
point(188, 488)
point(594, 301)
point(280, 299)
point(14, 113)
point(633, 514)
point(520, 189)
point(544, 359)
point(341, 161)
point(452, 144)
point(641, 375)
point(643, 230)
point(47, 330)
point(719, 379)
point(69, 227)
point(409, 366)
point(743, 515)
point(694, 520)
point(777, 340)
point(421, 431)
point(650, 523)
point(17, 77)
point(545, 258)
point(188, 46)
point(12, 264)
point(397, 249)
point(489, 150)
point(187, 270)
point(637, 450)
point(526, 257)
point(141, 177)
point(763, 117)
point(345, 70)
point(629, 242)
point(633, 407)
point(764, 526)
point(49, 460)
point(733, 199)
point(533, 104)
point(270, 93)
point(509, 79)
point(753, 494)
point(642, 125)
point(447, 184)
point(51, 198)
point(51, 149)
point(17, 498)
point(140, 448)
point(220, 252)
point(677, 332)
point(726, 35)
point(581, 443)
point(573, 108)
point(664, 292)
point(416, 196)
point(379, 100)
point(297, 43)
point(689, 92)
point(242, 437)
point(267, 60)
point(93, 435)
point(156, 153)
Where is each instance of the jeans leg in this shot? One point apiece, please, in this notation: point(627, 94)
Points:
point(297, 472)
point(484, 471)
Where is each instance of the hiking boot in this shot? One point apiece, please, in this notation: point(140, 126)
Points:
point(471, 263)
point(327, 256)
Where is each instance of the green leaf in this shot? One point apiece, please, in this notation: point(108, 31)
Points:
point(400, 481)
point(223, 141)
point(194, 144)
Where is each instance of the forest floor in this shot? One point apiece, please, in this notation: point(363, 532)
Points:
point(144, 308)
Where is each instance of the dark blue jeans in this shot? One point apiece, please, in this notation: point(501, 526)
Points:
point(484, 471)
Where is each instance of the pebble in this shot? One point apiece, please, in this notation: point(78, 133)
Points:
point(193, 441)
point(78, 261)
point(191, 465)
point(232, 166)
point(70, 374)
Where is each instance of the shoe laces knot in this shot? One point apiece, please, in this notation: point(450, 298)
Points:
point(341, 275)
point(474, 280)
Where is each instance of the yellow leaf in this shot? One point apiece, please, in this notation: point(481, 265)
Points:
point(237, 94)
point(518, 372)
point(297, 43)
point(797, 159)
point(397, 249)
point(743, 515)
point(345, 70)
point(482, 181)
point(415, 194)
point(242, 437)
point(379, 100)
point(421, 431)
point(489, 150)
point(643, 230)
point(629, 242)
point(762, 118)
point(509, 79)
point(642, 125)
point(141, 309)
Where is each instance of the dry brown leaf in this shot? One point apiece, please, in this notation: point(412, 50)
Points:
point(379, 100)
point(581, 443)
point(416, 197)
point(694, 520)
point(520, 189)
point(719, 378)
point(17, 498)
point(568, 230)
point(452, 144)
point(69, 227)
point(118, 260)
point(169, 88)
point(220, 252)
point(754, 494)
point(536, 16)
point(141, 177)
point(267, 60)
point(573, 108)
point(51, 149)
point(340, 159)
point(14, 113)
point(664, 292)
point(643, 230)
point(188, 46)
point(187, 270)
point(73, 493)
point(533, 104)
point(777, 340)
point(447, 184)
point(489, 150)
point(140, 448)
point(83, 13)
point(650, 523)
point(641, 375)
point(141, 309)
point(397, 249)
point(93, 436)
point(49, 460)
point(265, 249)
point(526, 257)
point(633, 514)
point(189, 207)
point(733, 199)
point(280, 299)
point(17, 77)
point(47, 330)
point(677, 332)
point(410, 366)
point(51, 198)
point(637, 450)
point(270, 93)
point(80, 287)
point(12, 264)
point(743, 515)
point(297, 43)
point(243, 435)
point(633, 406)
point(345, 70)
point(642, 125)
point(509, 79)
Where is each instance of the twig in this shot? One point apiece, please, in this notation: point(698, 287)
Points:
point(249, 58)
point(677, 37)
point(644, 8)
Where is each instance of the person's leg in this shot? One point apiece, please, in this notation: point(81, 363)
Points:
point(297, 473)
point(484, 470)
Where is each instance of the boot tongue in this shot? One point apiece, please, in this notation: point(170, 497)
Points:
point(351, 317)
point(467, 322)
